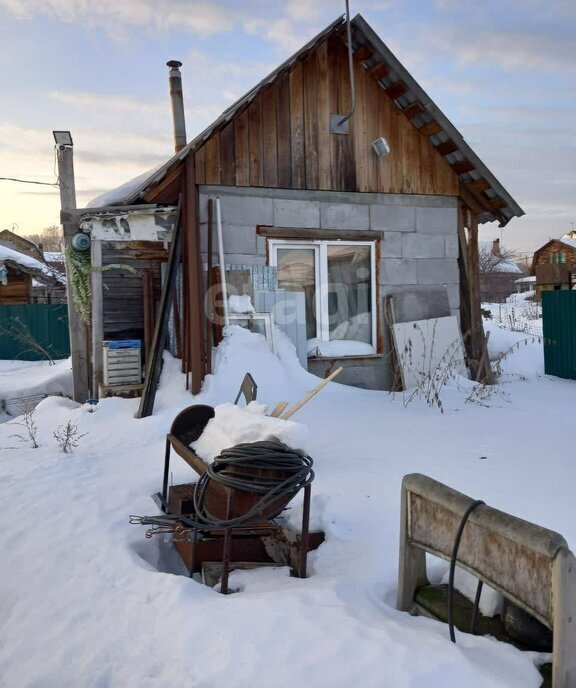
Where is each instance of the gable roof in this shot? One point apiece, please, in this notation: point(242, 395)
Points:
point(40, 271)
point(19, 243)
point(482, 191)
point(565, 241)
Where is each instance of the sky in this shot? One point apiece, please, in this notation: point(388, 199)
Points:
point(504, 72)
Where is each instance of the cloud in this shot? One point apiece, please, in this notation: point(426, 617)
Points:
point(90, 101)
point(200, 18)
point(528, 49)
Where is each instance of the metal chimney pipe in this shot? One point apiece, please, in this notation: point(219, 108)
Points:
point(177, 101)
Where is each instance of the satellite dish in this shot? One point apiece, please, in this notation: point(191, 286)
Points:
point(80, 242)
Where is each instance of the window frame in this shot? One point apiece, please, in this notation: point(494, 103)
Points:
point(320, 247)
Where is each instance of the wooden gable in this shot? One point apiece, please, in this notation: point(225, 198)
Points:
point(542, 256)
point(282, 138)
point(18, 290)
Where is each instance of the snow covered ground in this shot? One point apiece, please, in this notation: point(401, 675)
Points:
point(27, 382)
point(519, 313)
point(86, 600)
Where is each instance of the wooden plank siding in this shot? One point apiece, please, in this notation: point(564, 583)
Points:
point(18, 291)
point(282, 138)
point(123, 302)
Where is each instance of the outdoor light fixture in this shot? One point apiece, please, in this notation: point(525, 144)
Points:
point(63, 138)
point(381, 147)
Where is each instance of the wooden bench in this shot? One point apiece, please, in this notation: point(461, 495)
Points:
point(531, 566)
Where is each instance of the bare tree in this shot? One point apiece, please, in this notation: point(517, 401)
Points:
point(493, 259)
point(50, 237)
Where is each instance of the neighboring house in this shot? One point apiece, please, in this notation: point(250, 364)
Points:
point(498, 272)
point(21, 274)
point(554, 265)
point(343, 226)
point(21, 244)
point(524, 284)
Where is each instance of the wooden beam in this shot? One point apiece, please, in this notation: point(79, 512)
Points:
point(154, 357)
point(497, 203)
point(379, 71)
point(477, 338)
point(475, 203)
point(462, 166)
point(474, 276)
point(311, 234)
point(430, 129)
point(97, 315)
point(156, 191)
point(477, 185)
point(396, 90)
point(447, 147)
point(412, 110)
point(195, 286)
point(76, 214)
point(363, 53)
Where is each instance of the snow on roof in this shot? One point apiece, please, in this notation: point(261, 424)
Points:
point(568, 241)
point(30, 263)
point(523, 280)
point(54, 256)
point(121, 193)
point(508, 266)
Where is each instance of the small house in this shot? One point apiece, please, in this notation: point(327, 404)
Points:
point(498, 272)
point(554, 265)
point(337, 188)
point(21, 274)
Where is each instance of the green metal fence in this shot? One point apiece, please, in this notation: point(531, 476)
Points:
point(34, 332)
point(559, 329)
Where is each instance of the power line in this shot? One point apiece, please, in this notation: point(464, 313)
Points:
point(27, 181)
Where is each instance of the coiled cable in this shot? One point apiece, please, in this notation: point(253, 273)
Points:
point(268, 468)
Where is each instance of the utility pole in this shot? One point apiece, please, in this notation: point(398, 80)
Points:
point(78, 339)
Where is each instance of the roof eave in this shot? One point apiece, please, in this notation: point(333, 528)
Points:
point(371, 38)
point(228, 114)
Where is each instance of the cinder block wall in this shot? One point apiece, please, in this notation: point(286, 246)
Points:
point(419, 247)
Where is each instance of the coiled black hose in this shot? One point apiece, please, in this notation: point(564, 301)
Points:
point(287, 471)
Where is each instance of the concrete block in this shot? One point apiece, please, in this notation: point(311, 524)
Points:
point(391, 246)
point(395, 218)
point(203, 237)
point(304, 214)
point(261, 245)
point(418, 245)
point(453, 296)
point(203, 207)
point(344, 216)
point(437, 220)
point(239, 239)
point(397, 271)
point(247, 210)
point(452, 246)
point(437, 271)
point(238, 259)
